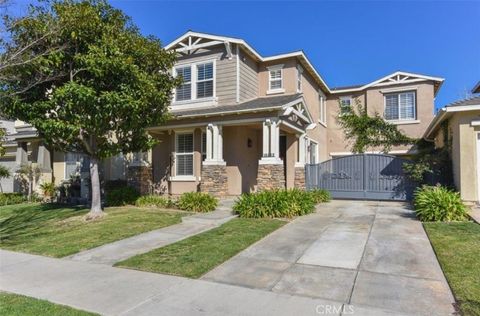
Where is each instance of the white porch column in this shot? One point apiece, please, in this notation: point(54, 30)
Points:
point(271, 143)
point(214, 148)
point(301, 151)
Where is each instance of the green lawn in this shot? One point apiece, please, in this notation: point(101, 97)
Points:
point(60, 231)
point(457, 246)
point(19, 305)
point(194, 256)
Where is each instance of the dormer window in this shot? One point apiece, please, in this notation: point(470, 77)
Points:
point(198, 82)
point(275, 79)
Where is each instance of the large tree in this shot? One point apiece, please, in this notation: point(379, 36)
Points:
point(93, 84)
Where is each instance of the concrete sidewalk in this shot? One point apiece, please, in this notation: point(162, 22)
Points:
point(123, 249)
point(115, 291)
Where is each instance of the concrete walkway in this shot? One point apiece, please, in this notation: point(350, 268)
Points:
point(361, 253)
point(475, 214)
point(191, 225)
point(115, 291)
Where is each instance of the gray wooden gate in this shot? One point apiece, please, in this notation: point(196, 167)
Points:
point(362, 176)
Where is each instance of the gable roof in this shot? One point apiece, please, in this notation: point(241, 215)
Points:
point(476, 89)
point(470, 104)
point(197, 40)
point(398, 77)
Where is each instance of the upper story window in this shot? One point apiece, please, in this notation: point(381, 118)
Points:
point(345, 104)
point(400, 106)
point(299, 78)
point(184, 154)
point(198, 81)
point(322, 109)
point(275, 78)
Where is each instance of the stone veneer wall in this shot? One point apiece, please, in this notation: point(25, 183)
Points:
point(141, 178)
point(299, 181)
point(214, 180)
point(270, 177)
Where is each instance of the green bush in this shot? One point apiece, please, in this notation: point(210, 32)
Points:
point(12, 198)
point(275, 203)
point(121, 196)
point(154, 201)
point(439, 204)
point(320, 195)
point(197, 202)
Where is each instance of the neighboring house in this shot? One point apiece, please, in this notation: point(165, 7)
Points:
point(458, 125)
point(243, 122)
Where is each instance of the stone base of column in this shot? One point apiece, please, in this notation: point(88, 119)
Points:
point(214, 180)
point(141, 178)
point(299, 181)
point(270, 177)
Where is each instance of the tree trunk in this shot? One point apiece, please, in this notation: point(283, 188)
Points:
point(96, 208)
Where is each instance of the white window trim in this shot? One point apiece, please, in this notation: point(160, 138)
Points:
point(401, 121)
point(299, 78)
point(322, 119)
point(278, 90)
point(213, 100)
point(307, 153)
point(184, 177)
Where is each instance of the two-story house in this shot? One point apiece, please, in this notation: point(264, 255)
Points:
point(244, 122)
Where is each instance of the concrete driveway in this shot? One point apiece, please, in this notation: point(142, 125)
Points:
point(359, 253)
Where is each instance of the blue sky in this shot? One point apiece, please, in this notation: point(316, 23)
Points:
point(348, 42)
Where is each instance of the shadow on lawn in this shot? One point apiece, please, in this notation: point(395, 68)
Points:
point(29, 219)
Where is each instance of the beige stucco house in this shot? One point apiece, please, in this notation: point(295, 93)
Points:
point(244, 122)
point(457, 125)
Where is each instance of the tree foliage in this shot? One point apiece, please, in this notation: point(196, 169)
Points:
point(87, 80)
point(372, 131)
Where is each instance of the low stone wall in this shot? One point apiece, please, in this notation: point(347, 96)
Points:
point(299, 181)
point(141, 178)
point(214, 180)
point(270, 177)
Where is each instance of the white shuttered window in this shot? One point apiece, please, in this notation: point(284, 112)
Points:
point(184, 154)
point(204, 80)
point(400, 106)
point(275, 78)
point(184, 91)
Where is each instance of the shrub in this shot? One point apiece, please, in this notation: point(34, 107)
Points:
point(320, 195)
point(437, 203)
point(122, 196)
point(275, 203)
point(48, 189)
point(197, 202)
point(154, 201)
point(12, 198)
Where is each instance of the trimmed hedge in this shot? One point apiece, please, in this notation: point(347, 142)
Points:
point(154, 201)
point(12, 198)
point(197, 202)
point(275, 203)
point(438, 204)
point(121, 196)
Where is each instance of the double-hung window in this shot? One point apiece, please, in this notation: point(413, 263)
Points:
point(204, 80)
point(198, 81)
point(322, 109)
point(184, 154)
point(345, 104)
point(400, 106)
point(275, 78)
point(184, 91)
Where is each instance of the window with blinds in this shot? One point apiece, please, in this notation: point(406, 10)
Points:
point(204, 80)
point(400, 106)
point(184, 154)
point(276, 79)
point(184, 91)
